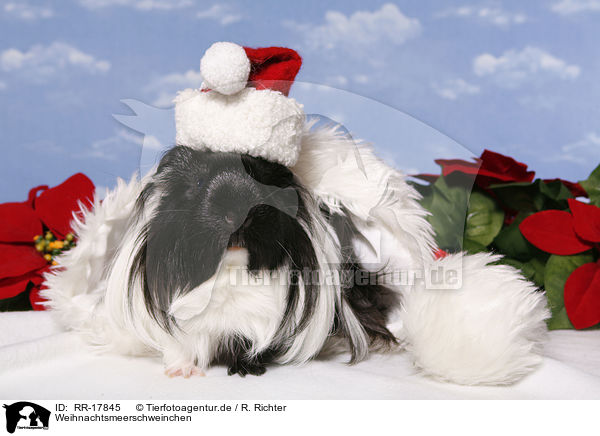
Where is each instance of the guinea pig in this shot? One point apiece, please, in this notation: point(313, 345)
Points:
point(226, 258)
point(219, 258)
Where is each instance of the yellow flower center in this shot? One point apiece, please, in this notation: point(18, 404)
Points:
point(50, 247)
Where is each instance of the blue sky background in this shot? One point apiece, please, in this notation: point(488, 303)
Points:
point(421, 80)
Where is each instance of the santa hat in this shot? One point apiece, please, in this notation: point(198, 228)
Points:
point(243, 105)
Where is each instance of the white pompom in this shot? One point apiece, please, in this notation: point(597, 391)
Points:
point(225, 68)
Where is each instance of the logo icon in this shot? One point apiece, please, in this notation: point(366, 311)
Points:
point(26, 415)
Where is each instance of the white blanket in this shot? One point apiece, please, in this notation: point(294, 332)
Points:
point(39, 361)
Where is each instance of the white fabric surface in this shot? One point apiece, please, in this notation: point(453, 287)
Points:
point(39, 361)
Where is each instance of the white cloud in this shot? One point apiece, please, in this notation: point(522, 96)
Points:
point(41, 63)
point(514, 68)
point(112, 148)
point(164, 89)
point(486, 14)
point(27, 12)
point(361, 30)
point(142, 5)
point(305, 86)
point(337, 80)
point(2, 85)
point(581, 152)
point(152, 142)
point(454, 88)
point(361, 79)
point(223, 14)
point(569, 7)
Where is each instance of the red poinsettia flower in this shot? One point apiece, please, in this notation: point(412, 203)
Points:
point(493, 168)
point(23, 260)
point(582, 296)
point(563, 233)
point(489, 169)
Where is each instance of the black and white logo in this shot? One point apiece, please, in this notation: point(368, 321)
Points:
point(26, 415)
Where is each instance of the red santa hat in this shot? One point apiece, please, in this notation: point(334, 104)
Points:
point(243, 104)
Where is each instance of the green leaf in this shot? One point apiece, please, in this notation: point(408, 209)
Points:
point(592, 186)
point(512, 243)
point(427, 197)
point(484, 219)
point(512, 262)
point(560, 320)
point(539, 271)
point(448, 207)
point(473, 247)
point(532, 270)
point(533, 197)
point(518, 196)
point(555, 190)
point(424, 190)
point(558, 269)
point(17, 303)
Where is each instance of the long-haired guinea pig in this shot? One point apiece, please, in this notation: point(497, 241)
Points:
point(224, 258)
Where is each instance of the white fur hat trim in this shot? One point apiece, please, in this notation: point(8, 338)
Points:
point(261, 123)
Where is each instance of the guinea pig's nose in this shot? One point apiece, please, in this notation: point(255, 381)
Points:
point(230, 199)
point(234, 216)
point(229, 218)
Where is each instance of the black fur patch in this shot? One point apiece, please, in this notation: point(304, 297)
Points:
point(234, 352)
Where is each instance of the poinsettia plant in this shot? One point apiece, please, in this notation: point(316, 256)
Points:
point(572, 233)
point(32, 234)
point(549, 229)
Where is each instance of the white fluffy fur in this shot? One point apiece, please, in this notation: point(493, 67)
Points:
point(488, 329)
point(341, 171)
point(248, 306)
point(79, 284)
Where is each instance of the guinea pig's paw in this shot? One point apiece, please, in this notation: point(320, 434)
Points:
point(185, 370)
point(245, 367)
point(180, 363)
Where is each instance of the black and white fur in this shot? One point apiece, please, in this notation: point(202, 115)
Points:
point(205, 262)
